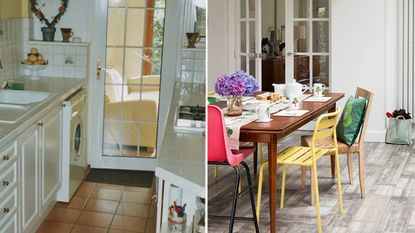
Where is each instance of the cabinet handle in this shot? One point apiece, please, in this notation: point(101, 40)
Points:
point(6, 157)
point(6, 210)
point(5, 183)
point(40, 124)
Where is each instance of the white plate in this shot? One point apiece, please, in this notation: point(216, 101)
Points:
point(250, 105)
point(264, 121)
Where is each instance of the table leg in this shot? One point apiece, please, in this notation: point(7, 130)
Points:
point(272, 165)
point(255, 157)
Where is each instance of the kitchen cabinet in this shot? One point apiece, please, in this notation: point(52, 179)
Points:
point(29, 154)
point(50, 155)
point(12, 9)
point(40, 152)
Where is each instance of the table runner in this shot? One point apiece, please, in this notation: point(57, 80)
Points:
point(234, 124)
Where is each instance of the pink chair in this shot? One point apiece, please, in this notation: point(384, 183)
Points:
point(220, 153)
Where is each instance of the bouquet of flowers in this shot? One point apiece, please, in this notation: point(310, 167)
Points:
point(235, 86)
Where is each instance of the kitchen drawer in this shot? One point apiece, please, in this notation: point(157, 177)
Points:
point(10, 225)
point(8, 179)
point(8, 156)
point(8, 207)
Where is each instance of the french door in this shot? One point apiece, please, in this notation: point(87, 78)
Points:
point(307, 37)
point(128, 41)
point(248, 53)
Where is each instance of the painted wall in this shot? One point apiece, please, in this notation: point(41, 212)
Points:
point(363, 55)
point(78, 16)
point(221, 39)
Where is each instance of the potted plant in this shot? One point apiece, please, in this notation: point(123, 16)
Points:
point(48, 32)
point(235, 86)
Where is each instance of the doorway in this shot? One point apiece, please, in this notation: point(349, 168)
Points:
point(127, 82)
point(295, 42)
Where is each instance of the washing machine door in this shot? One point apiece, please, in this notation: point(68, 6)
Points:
point(77, 156)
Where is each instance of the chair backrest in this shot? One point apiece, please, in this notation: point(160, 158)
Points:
point(218, 141)
point(326, 128)
point(360, 92)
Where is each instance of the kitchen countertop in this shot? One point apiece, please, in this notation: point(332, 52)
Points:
point(181, 160)
point(59, 89)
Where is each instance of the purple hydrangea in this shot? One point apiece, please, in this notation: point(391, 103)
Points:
point(251, 84)
point(230, 85)
point(237, 84)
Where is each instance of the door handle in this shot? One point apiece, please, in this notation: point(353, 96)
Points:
point(101, 68)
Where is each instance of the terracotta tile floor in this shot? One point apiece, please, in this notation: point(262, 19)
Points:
point(104, 208)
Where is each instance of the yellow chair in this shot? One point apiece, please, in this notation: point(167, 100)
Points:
point(307, 157)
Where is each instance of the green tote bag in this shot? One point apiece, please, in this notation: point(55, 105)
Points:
point(399, 131)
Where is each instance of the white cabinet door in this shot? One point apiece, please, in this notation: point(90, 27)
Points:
point(50, 155)
point(10, 226)
point(29, 152)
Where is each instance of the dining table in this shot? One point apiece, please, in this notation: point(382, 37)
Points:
point(281, 126)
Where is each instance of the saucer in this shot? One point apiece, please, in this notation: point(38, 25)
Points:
point(263, 121)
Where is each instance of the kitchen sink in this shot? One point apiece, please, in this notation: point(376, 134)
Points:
point(22, 97)
point(10, 114)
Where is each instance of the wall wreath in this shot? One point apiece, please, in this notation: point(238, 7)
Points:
point(39, 14)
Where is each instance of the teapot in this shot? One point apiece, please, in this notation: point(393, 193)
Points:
point(295, 89)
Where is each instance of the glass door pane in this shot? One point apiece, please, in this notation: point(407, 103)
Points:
point(132, 83)
point(250, 36)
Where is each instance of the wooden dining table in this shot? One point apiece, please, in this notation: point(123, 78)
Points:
point(278, 128)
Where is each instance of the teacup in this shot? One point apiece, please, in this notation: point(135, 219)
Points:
point(279, 88)
point(67, 33)
point(263, 112)
point(318, 89)
point(295, 102)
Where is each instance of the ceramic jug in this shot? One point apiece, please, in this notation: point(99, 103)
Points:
point(295, 89)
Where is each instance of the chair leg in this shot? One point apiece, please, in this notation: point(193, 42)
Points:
point(235, 198)
point(333, 166)
point(260, 183)
point(215, 172)
point(350, 166)
point(251, 195)
point(362, 172)
point(284, 174)
point(314, 173)
point(339, 186)
point(312, 188)
point(303, 176)
point(240, 183)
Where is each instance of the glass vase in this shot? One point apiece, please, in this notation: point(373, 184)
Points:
point(234, 106)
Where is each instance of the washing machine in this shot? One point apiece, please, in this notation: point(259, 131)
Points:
point(74, 158)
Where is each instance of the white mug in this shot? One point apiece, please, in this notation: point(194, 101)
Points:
point(318, 89)
point(295, 102)
point(263, 112)
point(279, 88)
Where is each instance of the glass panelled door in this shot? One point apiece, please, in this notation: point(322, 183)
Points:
point(132, 54)
point(307, 41)
point(248, 53)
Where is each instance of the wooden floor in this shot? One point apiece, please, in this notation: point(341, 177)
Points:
point(388, 207)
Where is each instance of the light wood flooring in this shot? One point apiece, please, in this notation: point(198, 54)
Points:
point(389, 205)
